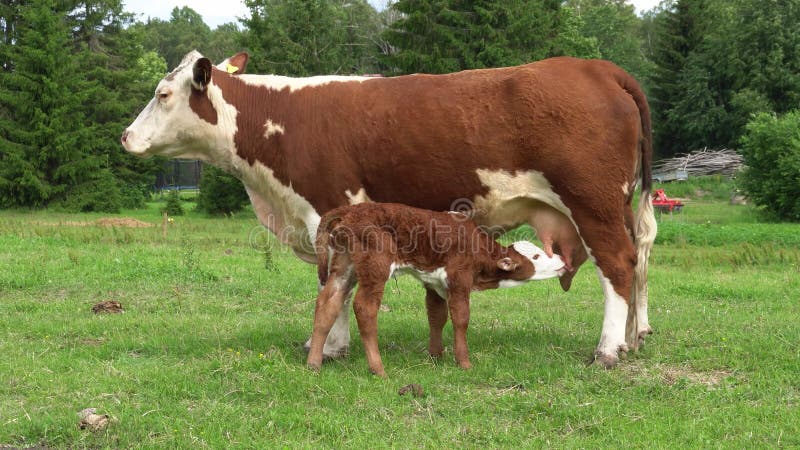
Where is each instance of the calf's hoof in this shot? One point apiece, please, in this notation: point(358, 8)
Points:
point(378, 372)
point(466, 365)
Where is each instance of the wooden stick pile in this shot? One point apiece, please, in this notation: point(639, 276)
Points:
point(703, 162)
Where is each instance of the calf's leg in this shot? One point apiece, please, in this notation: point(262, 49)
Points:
point(366, 304)
point(437, 317)
point(329, 303)
point(459, 313)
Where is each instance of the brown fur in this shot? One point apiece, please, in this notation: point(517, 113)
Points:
point(360, 243)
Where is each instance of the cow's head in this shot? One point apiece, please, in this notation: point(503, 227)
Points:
point(187, 117)
point(522, 262)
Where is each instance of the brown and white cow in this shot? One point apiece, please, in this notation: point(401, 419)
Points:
point(366, 244)
point(559, 144)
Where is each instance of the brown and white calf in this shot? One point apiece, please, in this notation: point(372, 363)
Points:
point(366, 244)
point(560, 144)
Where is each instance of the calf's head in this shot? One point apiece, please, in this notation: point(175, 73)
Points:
point(522, 262)
point(188, 116)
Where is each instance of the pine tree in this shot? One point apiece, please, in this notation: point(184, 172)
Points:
point(45, 133)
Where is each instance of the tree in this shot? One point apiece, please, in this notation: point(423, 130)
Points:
point(311, 37)
point(613, 24)
point(438, 36)
point(46, 132)
point(771, 150)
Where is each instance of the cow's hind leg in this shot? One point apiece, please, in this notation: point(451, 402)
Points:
point(437, 317)
point(611, 247)
point(337, 343)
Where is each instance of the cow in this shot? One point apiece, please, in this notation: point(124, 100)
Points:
point(560, 144)
point(367, 243)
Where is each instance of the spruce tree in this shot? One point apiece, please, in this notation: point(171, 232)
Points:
point(44, 133)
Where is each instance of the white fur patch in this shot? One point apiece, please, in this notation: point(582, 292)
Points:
point(279, 83)
point(359, 197)
point(612, 337)
point(435, 279)
point(290, 216)
point(501, 204)
point(271, 128)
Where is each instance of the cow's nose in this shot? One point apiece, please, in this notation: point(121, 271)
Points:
point(124, 137)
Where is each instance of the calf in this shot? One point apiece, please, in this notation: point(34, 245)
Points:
point(367, 243)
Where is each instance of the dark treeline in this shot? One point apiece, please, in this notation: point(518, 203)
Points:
point(73, 74)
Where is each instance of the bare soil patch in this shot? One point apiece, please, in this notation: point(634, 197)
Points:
point(672, 374)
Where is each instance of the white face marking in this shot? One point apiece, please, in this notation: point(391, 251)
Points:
point(271, 128)
point(625, 188)
point(612, 337)
point(168, 127)
point(435, 279)
point(545, 266)
point(359, 197)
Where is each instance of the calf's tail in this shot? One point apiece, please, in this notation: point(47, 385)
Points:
point(323, 243)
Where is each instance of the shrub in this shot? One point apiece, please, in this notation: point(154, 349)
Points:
point(771, 150)
point(173, 206)
point(220, 193)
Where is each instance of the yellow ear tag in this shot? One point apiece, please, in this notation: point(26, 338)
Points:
point(231, 68)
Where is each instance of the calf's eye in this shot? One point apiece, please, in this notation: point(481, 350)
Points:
point(535, 256)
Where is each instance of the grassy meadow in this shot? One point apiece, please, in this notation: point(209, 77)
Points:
point(208, 352)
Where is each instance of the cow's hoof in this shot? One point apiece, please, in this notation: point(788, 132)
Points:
point(605, 360)
point(643, 334)
point(328, 352)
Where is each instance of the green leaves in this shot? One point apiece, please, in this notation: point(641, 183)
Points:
point(771, 149)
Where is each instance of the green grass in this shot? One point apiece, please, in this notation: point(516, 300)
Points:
point(208, 353)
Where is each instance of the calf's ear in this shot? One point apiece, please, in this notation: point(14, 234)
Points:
point(507, 264)
point(201, 74)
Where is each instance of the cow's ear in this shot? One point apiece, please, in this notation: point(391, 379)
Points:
point(237, 63)
point(201, 74)
point(506, 264)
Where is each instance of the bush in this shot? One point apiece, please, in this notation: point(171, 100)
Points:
point(220, 193)
point(173, 206)
point(771, 150)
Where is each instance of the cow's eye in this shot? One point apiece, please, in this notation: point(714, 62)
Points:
point(535, 256)
point(163, 95)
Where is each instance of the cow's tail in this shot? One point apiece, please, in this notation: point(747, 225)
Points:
point(644, 227)
point(323, 243)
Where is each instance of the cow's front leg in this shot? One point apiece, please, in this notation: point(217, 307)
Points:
point(337, 344)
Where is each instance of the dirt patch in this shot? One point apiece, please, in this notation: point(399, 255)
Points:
point(121, 222)
point(671, 375)
point(415, 390)
point(92, 421)
point(107, 307)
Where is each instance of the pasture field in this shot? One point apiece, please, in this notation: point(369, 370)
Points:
point(208, 352)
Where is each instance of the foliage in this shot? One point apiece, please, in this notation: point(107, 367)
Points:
point(701, 94)
point(771, 149)
point(616, 30)
point(311, 37)
point(173, 206)
point(438, 36)
point(220, 193)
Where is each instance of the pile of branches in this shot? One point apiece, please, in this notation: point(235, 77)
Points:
point(703, 162)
